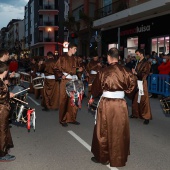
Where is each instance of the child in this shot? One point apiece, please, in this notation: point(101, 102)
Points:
point(5, 135)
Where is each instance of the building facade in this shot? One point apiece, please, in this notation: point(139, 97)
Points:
point(131, 24)
point(12, 36)
point(44, 30)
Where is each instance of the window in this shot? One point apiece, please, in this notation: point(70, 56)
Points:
point(160, 44)
point(106, 2)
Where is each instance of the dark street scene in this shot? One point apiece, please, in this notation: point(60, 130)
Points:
point(84, 85)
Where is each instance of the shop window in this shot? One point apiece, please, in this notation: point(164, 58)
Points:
point(132, 45)
point(160, 45)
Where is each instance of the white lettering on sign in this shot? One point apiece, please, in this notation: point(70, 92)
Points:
point(143, 28)
point(138, 29)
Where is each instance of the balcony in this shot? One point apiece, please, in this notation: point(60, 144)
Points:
point(46, 23)
point(48, 9)
point(117, 6)
point(47, 39)
point(120, 12)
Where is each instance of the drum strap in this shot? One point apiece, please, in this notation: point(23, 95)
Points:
point(68, 76)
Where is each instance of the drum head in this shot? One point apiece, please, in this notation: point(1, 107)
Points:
point(74, 86)
point(16, 89)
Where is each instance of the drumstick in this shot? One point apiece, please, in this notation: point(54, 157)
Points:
point(19, 100)
point(21, 91)
point(167, 82)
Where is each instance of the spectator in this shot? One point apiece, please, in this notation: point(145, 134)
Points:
point(13, 65)
point(154, 70)
point(164, 68)
point(129, 62)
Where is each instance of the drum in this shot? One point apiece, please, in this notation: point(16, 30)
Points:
point(75, 90)
point(165, 102)
point(20, 91)
point(38, 82)
point(25, 77)
point(24, 115)
point(15, 80)
point(19, 99)
point(92, 107)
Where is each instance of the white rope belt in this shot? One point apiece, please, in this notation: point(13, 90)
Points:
point(93, 72)
point(50, 77)
point(68, 76)
point(114, 95)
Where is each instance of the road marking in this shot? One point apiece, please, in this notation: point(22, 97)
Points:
point(33, 100)
point(86, 145)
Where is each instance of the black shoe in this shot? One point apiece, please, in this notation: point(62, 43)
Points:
point(10, 121)
point(146, 122)
point(7, 158)
point(45, 109)
point(64, 124)
point(131, 116)
point(75, 123)
point(94, 160)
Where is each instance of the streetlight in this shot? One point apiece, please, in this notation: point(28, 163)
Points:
point(49, 30)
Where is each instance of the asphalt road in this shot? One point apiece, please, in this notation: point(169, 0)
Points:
point(53, 147)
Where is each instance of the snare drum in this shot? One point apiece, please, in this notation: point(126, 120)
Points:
point(25, 77)
point(15, 79)
point(15, 89)
point(24, 115)
point(38, 82)
point(165, 102)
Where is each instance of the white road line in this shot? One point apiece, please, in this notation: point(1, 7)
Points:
point(33, 100)
point(86, 145)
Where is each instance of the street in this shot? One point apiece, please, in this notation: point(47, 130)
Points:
point(53, 147)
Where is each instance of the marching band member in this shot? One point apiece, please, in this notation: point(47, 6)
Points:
point(5, 135)
point(92, 68)
point(33, 68)
point(4, 57)
point(111, 136)
point(50, 98)
point(68, 67)
point(141, 104)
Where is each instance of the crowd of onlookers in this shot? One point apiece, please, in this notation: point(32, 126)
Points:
point(159, 64)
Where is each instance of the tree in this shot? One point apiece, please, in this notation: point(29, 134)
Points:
point(75, 27)
point(88, 24)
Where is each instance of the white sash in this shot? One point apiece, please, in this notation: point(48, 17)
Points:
point(68, 76)
point(93, 72)
point(50, 77)
point(109, 94)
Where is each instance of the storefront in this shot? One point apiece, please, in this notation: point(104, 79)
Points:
point(150, 35)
